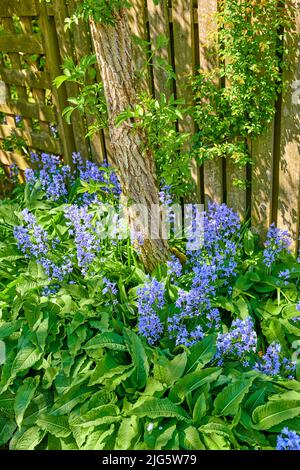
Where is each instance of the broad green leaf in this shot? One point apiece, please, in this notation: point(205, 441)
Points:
point(7, 429)
point(275, 412)
point(229, 399)
point(24, 396)
point(107, 368)
point(192, 381)
point(106, 340)
point(251, 436)
point(128, 432)
point(105, 414)
point(215, 428)
point(159, 408)
point(97, 439)
point(56, 425)
point(200, 409)
point(7, 400)
point(27, 439)
point(201, 353)
point(7, 328)
point(168, 372)
point(164, 437)
point(192, 439)
point(139, 359)
point(27, 357)
point(66, 402)
point(255, 399)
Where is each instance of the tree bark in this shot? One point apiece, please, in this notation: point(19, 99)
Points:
point(130, 156)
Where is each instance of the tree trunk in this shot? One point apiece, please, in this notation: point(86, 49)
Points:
point(133, 161)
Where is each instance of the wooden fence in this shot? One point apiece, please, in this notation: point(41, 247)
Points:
point(32, 59)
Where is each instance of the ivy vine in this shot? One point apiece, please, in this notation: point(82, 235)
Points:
point(235, 101)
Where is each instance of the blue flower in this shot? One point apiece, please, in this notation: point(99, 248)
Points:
point(277, 241)
point(79, 221)
point(151, 299)
point(288, 440)
point(272, 364)
point(238, 343)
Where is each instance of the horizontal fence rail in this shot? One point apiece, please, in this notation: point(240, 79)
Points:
point(31, 58)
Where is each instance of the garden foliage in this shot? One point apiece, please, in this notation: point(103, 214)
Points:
point(100, 355)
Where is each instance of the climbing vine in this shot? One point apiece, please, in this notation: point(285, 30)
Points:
point(235, 101)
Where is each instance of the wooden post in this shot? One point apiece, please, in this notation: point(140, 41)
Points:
point(213, 170)
point(289, 164)
point(183, 32)
point(59, 96)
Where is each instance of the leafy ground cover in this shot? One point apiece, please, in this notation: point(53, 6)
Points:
point(101, 355)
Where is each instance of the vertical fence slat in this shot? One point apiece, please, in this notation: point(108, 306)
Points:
point(213, 170)
point(83, 47)
point(289, 163)
point(66, 49)
point(60, 95)
point(158, 17)
point(183, 34)
point(262, 181)
point(138, 25)
point(236, 196)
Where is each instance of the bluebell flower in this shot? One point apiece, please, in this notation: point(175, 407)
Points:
point(79, 221)
point(109, 287)
point(151, 299)
point(174, 267)
point(277, 241)
point(273, 364)
point(238, 343)
point(14, 172)
point(288, 440)
point(34, 243)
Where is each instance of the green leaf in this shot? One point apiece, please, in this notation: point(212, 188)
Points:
point(24, 396)
point(201, 353)
point(128, 432)
point(7, 429)
point(27, 357)
point(249, 244)
point(97, 439)
point(192, 381)
point(27, 439)
point(104, 414)
point(106, 340)
point(229, 399)
point(139, 358)
point(6, 329)
point(275, 412)
point(56, 425)
point(192, 439)
point(200, 409)
point(75, 395)
point(159, 408)
point(215, 428)
point(168, 372)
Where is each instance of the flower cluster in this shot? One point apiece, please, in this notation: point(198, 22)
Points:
point(288, 440)
point(52, 176)
point(55, 178)
point(211, 264)
point(14, 172)
point(238, 343)
point(109, 287)
point(272, 364)
point(151, 299)
point(79, 221)
point(277, 242)
point(34, 242)
point(89, 171)
point(174, 267)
